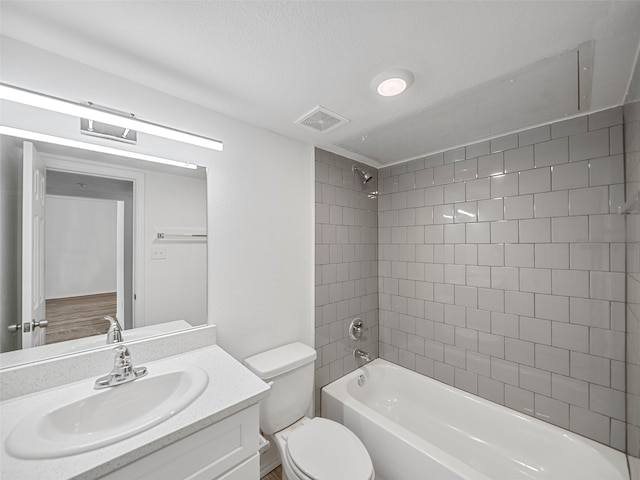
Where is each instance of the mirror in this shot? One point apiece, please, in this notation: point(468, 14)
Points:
point(122, 237)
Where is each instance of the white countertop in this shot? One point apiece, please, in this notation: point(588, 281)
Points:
point(231, 388)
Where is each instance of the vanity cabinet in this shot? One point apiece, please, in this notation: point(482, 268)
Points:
point(226, 450)
point(215, 437)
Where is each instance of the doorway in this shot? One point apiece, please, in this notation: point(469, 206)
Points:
point(89, 250)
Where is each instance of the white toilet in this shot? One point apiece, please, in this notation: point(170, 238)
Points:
point(310, 448)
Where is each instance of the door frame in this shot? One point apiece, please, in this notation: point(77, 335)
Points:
point(120, 268)
point(87, 167)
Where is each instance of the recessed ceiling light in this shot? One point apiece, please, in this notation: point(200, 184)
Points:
point(392, 82)
point(391, 87)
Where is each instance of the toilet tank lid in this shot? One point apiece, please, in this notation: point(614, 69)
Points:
point(280, 360)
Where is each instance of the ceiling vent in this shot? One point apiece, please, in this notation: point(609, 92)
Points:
point(321, 120)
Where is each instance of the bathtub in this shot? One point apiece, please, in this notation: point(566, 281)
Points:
point(417, 428)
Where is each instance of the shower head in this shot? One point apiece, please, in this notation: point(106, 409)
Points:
point(361, 174)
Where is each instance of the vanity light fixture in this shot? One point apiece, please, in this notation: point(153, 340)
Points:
point(39, 100)
point(392, 82)
point(42, 137)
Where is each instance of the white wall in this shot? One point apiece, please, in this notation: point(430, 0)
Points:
point(80, 246)
point(176, 204)
point(260, 201)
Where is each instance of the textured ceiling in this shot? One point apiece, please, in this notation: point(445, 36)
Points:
point(269, 63)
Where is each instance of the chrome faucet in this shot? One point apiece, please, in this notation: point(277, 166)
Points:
point(114, 334)
point(361, 355)
point(122, 372)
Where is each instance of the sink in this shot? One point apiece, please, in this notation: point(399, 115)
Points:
point(107, 416)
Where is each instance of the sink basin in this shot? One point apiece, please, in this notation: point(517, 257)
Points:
point(106, 416)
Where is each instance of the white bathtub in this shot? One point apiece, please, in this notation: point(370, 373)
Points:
point(417, 428)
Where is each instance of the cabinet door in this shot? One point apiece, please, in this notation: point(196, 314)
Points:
point(249, 470)
point(204, 455)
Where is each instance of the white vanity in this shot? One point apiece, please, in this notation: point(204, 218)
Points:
point(215, 436)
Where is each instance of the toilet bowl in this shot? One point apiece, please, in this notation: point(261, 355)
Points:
point(319, 449)
point(309, 448)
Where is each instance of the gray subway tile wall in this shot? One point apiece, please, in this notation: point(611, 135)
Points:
point(502, 272)
point(499, 268)
point(632, 180)
point(346, 266)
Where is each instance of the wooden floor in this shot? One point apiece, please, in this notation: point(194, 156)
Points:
point(274, 474)
point(78, 317)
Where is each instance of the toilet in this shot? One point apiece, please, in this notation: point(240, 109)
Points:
point(310, 448)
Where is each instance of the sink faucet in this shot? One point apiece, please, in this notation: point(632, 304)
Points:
point(361, 355)
point(114, 335)
point(122, 372)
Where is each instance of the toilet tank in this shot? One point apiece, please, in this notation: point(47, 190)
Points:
point(290, 371)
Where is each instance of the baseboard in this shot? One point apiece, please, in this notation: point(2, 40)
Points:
point(264, 469)
point(269, 459)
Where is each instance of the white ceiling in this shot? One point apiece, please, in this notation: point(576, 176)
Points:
point(268, 63)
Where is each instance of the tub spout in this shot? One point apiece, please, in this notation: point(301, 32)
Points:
point(361, 356)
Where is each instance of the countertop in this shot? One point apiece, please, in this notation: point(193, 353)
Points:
point(231, 388)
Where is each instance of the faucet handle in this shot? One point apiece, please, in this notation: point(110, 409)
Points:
point(123, 357)
point(123, 371)
point(356, 328)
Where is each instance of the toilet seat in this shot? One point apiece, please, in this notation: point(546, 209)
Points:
point(322, 449)
point(299, 475)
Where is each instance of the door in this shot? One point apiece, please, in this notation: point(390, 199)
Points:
point(33, 295)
